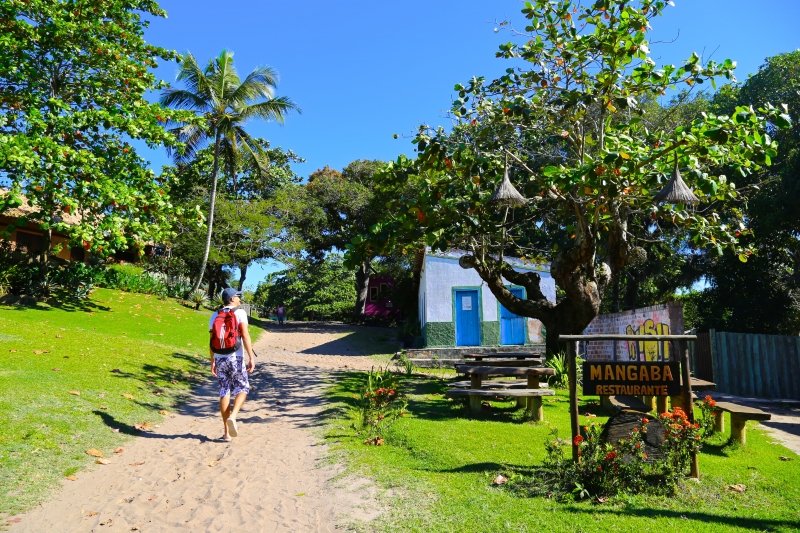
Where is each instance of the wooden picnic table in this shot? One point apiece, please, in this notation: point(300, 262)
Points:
point(505, 362)
point(504, 355)
point(533, 392)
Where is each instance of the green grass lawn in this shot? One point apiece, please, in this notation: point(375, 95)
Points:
point(83, 376)
point(438, 465)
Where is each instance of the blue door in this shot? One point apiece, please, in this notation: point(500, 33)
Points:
point(512, 327)
point(468, 320)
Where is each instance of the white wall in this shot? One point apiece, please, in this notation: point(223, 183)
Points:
point(441, 273)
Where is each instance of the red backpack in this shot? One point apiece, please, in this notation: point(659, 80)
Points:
point(225, 332)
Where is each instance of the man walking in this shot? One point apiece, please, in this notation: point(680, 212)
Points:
point(229, 368)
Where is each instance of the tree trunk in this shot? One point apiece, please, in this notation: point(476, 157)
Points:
point(362, 290)
point(243, 270)
point(210, 219)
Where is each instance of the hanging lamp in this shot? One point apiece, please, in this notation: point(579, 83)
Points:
point(506, 194)
point(676, 191)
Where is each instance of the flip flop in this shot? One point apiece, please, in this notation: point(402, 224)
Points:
point(232, 429)
point(225, 438)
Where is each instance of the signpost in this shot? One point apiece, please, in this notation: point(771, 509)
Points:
point(630, 378)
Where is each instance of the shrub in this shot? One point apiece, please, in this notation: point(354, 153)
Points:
point(606, 469)
point(132, 278)
point(381, 403)
point(558, 363)
point(198, 298)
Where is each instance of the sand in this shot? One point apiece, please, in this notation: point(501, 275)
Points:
point(275, 476)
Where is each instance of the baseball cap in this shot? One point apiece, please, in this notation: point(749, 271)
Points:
point(229, 293)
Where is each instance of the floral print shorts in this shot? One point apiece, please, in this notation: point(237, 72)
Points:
point(231, 375)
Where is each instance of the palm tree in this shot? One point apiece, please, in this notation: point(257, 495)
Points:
point(225, 103)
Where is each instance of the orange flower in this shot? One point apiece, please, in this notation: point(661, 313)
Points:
point(577, 440)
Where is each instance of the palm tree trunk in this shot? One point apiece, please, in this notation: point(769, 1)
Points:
point(210, 219)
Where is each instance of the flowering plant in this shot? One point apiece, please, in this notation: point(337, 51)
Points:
point(708, 412)
point(381, 403)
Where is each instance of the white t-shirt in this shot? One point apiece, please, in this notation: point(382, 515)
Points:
point(241, 317)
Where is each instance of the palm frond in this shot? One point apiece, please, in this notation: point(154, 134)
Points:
point(258, 84)
point(273, 109)
point(183, 99)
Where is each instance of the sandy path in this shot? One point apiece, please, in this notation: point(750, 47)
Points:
point(272, 477)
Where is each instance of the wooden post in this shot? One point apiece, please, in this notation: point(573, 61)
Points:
point(475, 400)
point(572, 349)
point(686, 399)
point(661, 404)
point(719, 421)
point(535, 410)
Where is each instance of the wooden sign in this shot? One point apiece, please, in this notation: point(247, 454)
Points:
point(604, 378)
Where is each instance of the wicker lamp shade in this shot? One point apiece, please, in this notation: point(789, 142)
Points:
point(676, 191)
point(507, 194)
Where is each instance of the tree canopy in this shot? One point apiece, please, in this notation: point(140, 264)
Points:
point(73, 80)
point(554, 161)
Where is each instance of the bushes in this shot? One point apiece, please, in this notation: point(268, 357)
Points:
point(381, 403)
point(606, 469)
point(23, 275)
point(133, 278)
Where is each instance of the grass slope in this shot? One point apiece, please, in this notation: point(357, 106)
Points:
point(438, 466)
point(84, 376)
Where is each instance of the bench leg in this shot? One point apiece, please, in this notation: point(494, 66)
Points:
point(719, 421)
point(535, 410)
point(474, 404)
point(661, 404)
point(738, 429)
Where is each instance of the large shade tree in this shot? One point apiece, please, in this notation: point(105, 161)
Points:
point(226, 103)
point(763, 295)
point(565, 122)
point(73, 79)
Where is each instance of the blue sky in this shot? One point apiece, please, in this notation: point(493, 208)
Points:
point(364, 70)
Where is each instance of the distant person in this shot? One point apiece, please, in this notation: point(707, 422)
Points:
point(230, 339)
point(280, 312)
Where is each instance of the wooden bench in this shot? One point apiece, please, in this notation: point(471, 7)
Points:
point(505, 362)
point(520, 356)
point(740, 414)
point(477, 373)
point(495, 384)
point(533, 409)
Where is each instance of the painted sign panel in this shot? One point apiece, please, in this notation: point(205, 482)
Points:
point(466, 303)
point(631, 379)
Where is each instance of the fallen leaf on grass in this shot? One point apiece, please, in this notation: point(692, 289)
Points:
point(12, 351)
point(143, 426)
point(103, 407)
point(163, 412)
point(784, 458)
point(40, 352)
point(119, 450)
point(738, 487)
point(137, 463)
point(500, 480)
point(94, 452)
point(103, 462)
point(128, 396)
point(56, 369)
point(72, 477)
point(213, 463)
point(74, 392)
point(115, 371)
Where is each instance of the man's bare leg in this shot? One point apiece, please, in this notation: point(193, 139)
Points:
point(225, 410)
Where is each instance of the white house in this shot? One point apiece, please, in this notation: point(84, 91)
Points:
point(456, 308)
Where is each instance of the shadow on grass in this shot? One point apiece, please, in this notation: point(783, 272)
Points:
point(127, 429)
point(62, 303)
point(707, 519)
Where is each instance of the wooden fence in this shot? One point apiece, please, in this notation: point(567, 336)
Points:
point(746, 364)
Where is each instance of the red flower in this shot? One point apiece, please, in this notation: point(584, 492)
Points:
point(577, 440)
point(709, 401)
point(610, 456)
point(645, 420)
